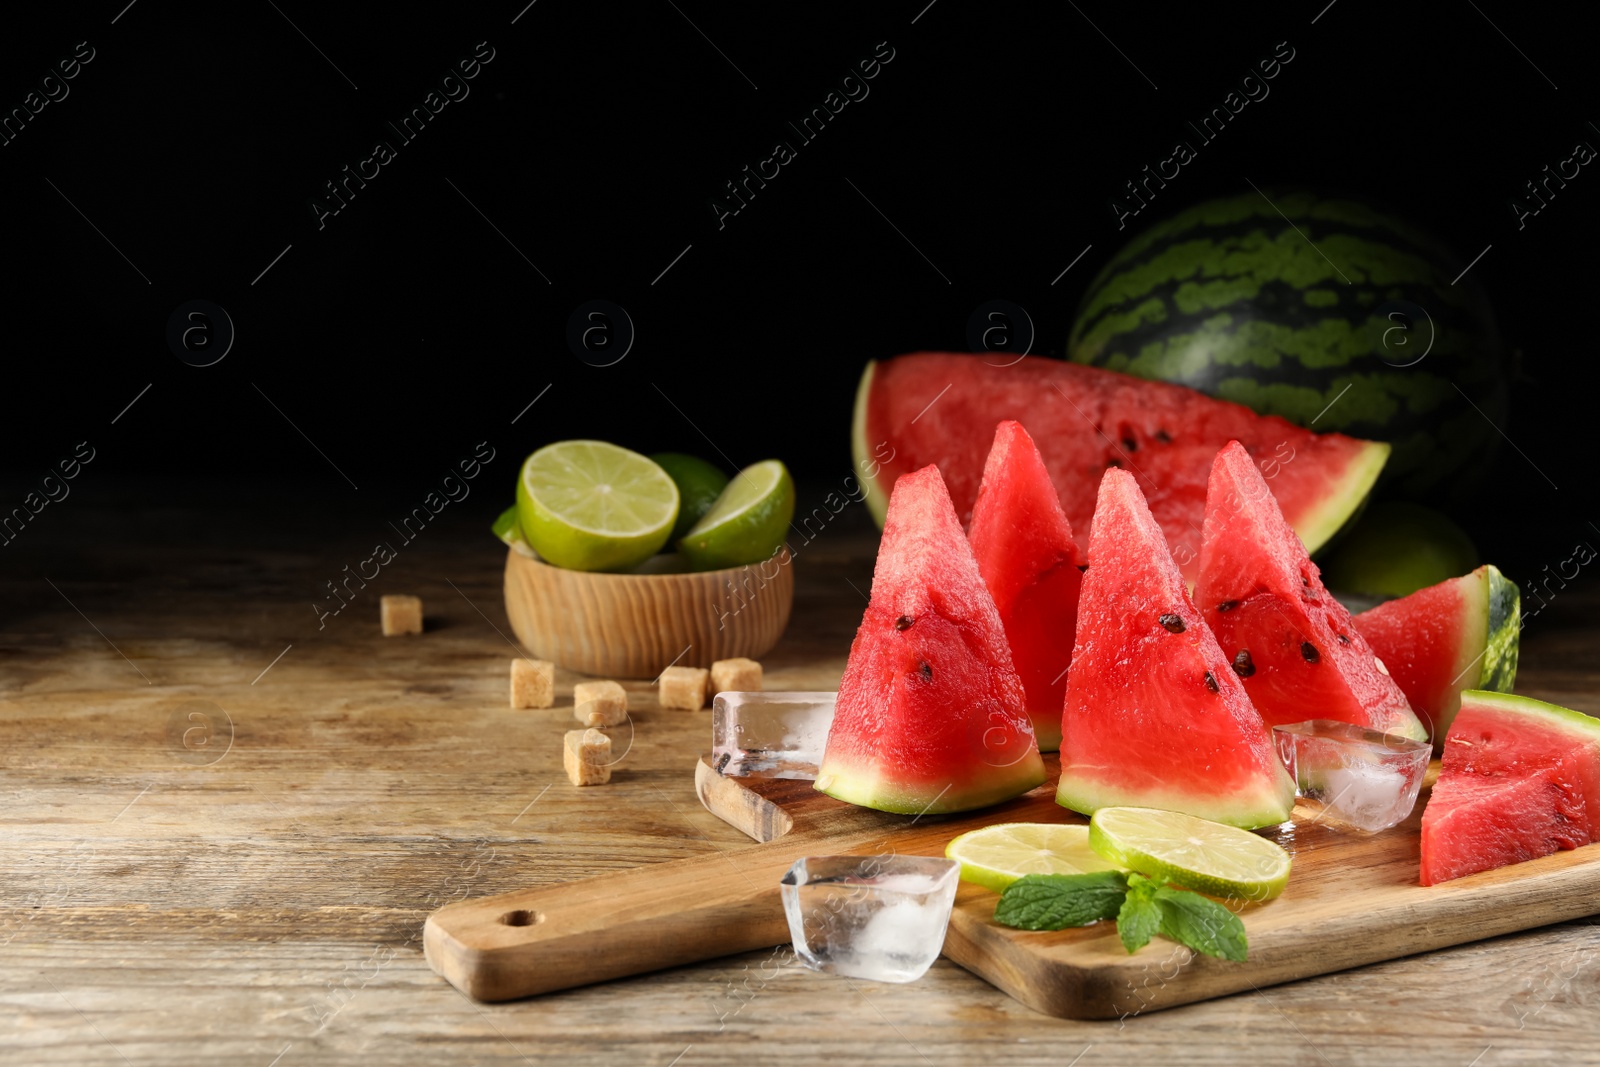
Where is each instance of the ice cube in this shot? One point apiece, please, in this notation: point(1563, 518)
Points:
point(1361, 778)
point(770, 735)
point(882, 918)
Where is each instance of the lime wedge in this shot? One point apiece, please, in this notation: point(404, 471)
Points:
point(1198, 854)
point(747, 523)
point(699, 484)
point(506, 526)
point(592, 506)
point(998, 855)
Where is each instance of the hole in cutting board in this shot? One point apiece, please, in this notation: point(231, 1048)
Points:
point(521, 917)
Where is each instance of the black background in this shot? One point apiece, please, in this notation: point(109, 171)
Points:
point(411, 326)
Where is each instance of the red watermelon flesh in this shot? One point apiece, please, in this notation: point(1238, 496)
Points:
point(1519, 779)
point(1460, 634)
point(1153, 716)
point(1295, 646)
point(942, 408)
point(1030, 563)
point(931, 716)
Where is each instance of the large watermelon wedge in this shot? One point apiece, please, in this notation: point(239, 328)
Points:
point(1460, 634)
point(931, 715)
point(1520, 779)
point(1030, 563)
point(942, 408)
point(1295, 646)
point(1154, 717)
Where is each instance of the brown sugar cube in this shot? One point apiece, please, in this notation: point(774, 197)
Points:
point(684, 687)
point(587, 757)
point(533, 683)
point(400, 615)
point(599, 703)
point(735, 676)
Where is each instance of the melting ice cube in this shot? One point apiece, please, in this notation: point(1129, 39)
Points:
point(770, 735)
point(881, 918)
point(1362, 778)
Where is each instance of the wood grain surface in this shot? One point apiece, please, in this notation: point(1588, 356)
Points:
point(266, 907)
point(1352, 899)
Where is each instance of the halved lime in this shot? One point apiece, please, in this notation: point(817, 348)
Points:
point(1198, 854)
point(593, 506)
point(998, 855)
point(747, 523)
point(699, 484)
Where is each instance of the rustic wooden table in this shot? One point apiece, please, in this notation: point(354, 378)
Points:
point(223, 828)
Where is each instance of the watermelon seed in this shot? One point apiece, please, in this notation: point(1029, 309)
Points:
point(903, 622)
point(1164, 437)
point(1113, 462)
point(1343, 640)
point(1227, 605)
point(1211, 682)
point(723, 762)
point(1309, 651)
point(1173, 623)
point(1243, 665)
point(927, 671)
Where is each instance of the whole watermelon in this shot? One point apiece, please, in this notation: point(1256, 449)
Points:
point(1318, 309)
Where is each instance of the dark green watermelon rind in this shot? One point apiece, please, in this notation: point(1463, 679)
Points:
point(868, 791)
point(1499, 671)
point(1228, 299)
point(1265, 806)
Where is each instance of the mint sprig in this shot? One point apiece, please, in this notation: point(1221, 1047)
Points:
point(1057, 901)
point(1142, 908)
point(1140, 916)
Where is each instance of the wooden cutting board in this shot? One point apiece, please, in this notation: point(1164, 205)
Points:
point(1352, 900)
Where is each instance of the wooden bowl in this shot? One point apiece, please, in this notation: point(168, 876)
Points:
point(636, 625)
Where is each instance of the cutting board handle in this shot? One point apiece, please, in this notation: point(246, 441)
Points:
point(665, 915)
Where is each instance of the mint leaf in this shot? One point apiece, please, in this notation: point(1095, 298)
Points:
point(1137, 922)
point(1057, 901)
point(1201, 923)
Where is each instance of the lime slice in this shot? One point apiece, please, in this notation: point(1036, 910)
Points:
point(998, 855)
point(1198, 854)
point(592, 506)
point(699, 484)
point(747, 523)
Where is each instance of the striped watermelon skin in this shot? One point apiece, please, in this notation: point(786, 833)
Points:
point(1286, 313)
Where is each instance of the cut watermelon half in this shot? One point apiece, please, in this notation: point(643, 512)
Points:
point(1520, 779)
point(1295, 646)
point(931, 715)
point(942, 408)
point(1153, 716)
point(1457, 635)
point(1030, 563)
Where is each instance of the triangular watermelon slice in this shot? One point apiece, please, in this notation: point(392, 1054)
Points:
point(931, 715)
point(1520, 779)
point(1030, 563)
point(940, 407)
point(1295, 646)
point(1154, 716)
point(1460, 634)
